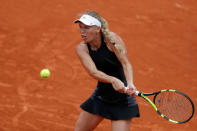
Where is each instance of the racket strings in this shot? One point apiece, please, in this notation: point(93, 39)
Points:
point(174, 105)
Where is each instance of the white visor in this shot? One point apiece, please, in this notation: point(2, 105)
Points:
point(88, 20)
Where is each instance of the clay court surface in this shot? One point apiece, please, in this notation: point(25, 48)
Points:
point(161, 39)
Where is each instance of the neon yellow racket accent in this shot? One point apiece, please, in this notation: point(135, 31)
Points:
point(149, 101)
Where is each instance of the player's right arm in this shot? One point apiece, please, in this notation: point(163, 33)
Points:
point(87, 62)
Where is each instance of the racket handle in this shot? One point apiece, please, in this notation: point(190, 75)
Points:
point(136, 92)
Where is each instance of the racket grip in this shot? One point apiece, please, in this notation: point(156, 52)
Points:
point(136, 92)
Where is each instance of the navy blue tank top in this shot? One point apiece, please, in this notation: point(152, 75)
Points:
point(107, 62)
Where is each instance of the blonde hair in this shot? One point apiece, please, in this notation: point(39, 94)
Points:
point(105, 29)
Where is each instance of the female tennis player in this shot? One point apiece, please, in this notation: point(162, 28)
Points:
point(103, 55)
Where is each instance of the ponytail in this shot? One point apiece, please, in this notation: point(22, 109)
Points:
point(106, 32)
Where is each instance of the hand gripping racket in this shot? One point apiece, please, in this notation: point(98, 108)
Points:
point(172, 105)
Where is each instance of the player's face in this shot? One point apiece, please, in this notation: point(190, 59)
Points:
point(88, 33)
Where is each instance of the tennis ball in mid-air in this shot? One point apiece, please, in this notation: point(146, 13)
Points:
point(45, 73)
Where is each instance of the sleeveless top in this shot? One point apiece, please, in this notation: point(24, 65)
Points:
point(107, 62)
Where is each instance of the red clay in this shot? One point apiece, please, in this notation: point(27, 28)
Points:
point(160, 36)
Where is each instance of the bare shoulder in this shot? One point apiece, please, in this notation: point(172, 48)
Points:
point(82, 47)
point(117, 38)
point(119, 43)
point(114, 34)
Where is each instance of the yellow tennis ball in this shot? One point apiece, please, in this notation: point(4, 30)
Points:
point(45, 73)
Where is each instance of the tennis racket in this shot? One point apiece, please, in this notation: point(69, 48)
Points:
point(172, 105)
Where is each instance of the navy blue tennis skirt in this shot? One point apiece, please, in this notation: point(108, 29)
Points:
point(112, 111)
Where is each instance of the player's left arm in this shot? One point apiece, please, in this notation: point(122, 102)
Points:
point(122, 57)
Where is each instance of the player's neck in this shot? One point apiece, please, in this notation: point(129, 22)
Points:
point(96, 43)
